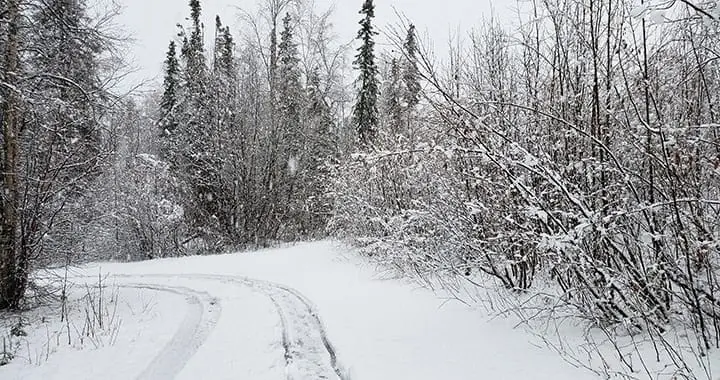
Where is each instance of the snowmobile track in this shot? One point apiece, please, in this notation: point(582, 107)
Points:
point(200, 319)
point(309, 354)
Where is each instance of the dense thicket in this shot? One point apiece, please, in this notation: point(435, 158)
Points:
point(580, 150)
point(249, 130)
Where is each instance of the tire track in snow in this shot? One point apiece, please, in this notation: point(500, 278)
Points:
point(302, 331)
point(313, 319)
point(309, 354)
point(200, 319)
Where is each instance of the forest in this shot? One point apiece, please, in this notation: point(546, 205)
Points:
point(572, 157)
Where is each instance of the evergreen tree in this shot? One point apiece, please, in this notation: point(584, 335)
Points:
point(411, 75)
point(170, 91)
point(224, 47)
point(290, 92)
point(193, 53)
point(218, 32)
point(224, 76)
point(194, 160)
point(224, 79)
point(394, 95)
point(365, 113)
point(221, 130)
point(227, 56)
point(293, 135)
point(66, 51)
point(320, 118)
point(323, 145)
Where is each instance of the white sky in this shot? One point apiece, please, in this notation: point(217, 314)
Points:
point(152, 23)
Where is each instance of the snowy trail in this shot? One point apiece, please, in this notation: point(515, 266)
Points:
point(302, 329)
point(200, 319)
point(308, 352)
point(263, 326)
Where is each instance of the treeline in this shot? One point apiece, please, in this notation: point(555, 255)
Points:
point(235, 149)
point(249, 130)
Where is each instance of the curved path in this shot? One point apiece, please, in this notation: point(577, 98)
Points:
point(308, 352)
point(200, 319)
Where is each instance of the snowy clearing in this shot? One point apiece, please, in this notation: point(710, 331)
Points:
point(312, 311)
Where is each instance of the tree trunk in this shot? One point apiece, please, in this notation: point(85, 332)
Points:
point(13, 271)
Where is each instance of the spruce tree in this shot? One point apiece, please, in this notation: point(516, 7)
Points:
point(194, 52)
point(322, 145)
point(194, 145)
point(67, 129)
point(227, 55)
point(293, 136)
point(319, 116)
point(365, 113)
point(170, 91)
point(290, 92)
point(218, 32)
point(224, 46)
point(67, 51)
point(393, 95)
point(411, 75)
point(193, 95)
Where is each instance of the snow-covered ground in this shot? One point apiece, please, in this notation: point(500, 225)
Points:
point(311, 311)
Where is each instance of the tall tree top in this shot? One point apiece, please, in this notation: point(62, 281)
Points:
point(368, 9)
point(195, 10)
point(366, 28)
point(411, 42)
point(287, 47)
point(224, 46)
point(411, 75)
point(366, 55)
point(170, 84)
point(365, 113)
point(290, 88)
point(193, 48)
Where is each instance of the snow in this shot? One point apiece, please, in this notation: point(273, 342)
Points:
point(285, 313)
point(293, 165)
